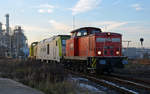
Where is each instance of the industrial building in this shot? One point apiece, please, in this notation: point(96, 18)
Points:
point(13, 43)
point(136, 53)
point(19, 43)
point(4, 42)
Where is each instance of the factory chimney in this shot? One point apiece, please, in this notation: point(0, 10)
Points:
point(7, 23)
point(0, 27)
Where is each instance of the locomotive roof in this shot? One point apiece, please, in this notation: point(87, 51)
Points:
point(76, 30)
point(53, 37)
point(64, 35)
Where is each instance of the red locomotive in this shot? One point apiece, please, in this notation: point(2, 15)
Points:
point(88, 49)
point(92, 49)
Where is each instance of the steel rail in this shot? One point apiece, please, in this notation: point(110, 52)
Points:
point(127, 82)
point(147, 83)
point(105, 83)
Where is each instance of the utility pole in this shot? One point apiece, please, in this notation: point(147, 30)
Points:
point(128, 42)
point(73, 22)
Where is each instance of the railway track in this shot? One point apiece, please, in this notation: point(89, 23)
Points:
point(141, 87)
point(147, 83)
point(115, 83)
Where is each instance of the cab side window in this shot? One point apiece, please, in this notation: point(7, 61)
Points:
point(73, 35)
point(78, 34)
point(85, 33)
point(82, 33)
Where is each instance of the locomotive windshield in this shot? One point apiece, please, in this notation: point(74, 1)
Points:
point(115, 39)
point(100, 39)
point(107, 39)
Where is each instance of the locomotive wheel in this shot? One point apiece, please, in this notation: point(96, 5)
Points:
point(76, 68)
point(99, 72)
point(71, 65)
point(85, 69)
point(110, 70)
point(80, 68)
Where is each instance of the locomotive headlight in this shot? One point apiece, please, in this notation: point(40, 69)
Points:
point(108, 33)
point(117, 52)
point(99, 52)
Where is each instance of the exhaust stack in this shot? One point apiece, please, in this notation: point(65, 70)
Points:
point(0, 27)
point(7, 23)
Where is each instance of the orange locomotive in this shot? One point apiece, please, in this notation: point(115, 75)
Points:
point(91, 49)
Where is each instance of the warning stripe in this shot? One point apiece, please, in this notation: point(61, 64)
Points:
point(93, 63)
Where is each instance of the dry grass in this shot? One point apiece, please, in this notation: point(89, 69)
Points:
point(139, 67)
point(49, 78)
point(141, 61)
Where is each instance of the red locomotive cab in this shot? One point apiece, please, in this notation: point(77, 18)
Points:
point(79, 43)
point(108, 44)
point(71, 47)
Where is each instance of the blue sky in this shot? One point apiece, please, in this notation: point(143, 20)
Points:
point(44, 18)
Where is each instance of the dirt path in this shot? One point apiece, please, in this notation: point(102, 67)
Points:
point(8, 86)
